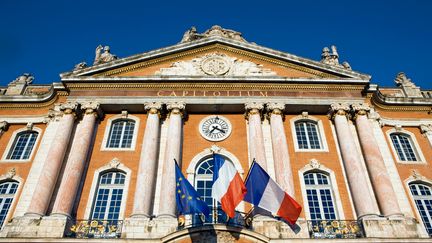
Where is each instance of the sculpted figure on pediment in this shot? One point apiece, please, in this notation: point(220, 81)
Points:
point(216, 64)
point(215, 30)
point(105, 56)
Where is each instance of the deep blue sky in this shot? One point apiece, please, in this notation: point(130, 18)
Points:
point(379, 38)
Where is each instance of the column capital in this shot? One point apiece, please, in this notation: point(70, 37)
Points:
point(68, 107)
point(338, 109)
point(92, 108)
point(426, 129)
point(176, 107)
point(253, 108)
point(4, 125)
point(153, 107)
point(360, 109)
point(275, 108)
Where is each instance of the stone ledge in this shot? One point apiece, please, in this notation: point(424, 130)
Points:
point(392, 228)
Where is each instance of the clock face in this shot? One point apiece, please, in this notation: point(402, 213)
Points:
point(215, 128)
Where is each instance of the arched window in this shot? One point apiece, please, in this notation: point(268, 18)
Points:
point(319, 196)
point(7, 193)
point(121, 133)
point(23, 145)
point(307, 134)
point(422, 195)
point(109, 196)
point(203, 185)
point(403, 146)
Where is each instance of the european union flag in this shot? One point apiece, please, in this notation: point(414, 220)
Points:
point(188, 201)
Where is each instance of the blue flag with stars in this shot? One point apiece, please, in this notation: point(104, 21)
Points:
point(188, 201)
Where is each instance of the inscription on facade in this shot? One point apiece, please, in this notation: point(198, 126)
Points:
point(205, 93)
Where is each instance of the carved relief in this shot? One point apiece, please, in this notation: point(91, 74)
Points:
point(11, 173)
point(114, 163)
point(332, 58)
point(216, 64)
point(313, 163)
point(3, 126)
point(338, 109)
point(192, 34)
point(426, 129)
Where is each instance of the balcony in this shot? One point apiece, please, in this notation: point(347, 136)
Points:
point(335, 229)
point(99, 229)
point(217, 216)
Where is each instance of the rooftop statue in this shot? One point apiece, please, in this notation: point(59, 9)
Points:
point(105, 56)
point(332, 58)
point(408, 87)
point(26, 78)
point(191, 34)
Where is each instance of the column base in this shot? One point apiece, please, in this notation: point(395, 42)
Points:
point(393, 227)
point(275, 229)
point(30, 226)
point(146, 228)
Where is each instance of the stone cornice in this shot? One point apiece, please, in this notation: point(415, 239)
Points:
point(395, 103)
point(219, 42)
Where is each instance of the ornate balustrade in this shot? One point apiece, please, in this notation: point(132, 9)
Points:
point(95, 229)
point(335, 229)
point(217, 216)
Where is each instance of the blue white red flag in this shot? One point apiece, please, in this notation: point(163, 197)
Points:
point(228, 187)
point(264, 193)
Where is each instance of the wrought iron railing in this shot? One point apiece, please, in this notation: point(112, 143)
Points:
point(335, 229)
point(95, 229)
point(217, 216)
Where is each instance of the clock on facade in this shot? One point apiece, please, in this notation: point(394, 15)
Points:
point(215, 128)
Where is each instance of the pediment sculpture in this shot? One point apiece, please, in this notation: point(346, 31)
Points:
point(216, 64)
point(192, 34)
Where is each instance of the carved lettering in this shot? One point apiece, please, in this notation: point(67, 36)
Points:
point(217, 93)
point(173, 93)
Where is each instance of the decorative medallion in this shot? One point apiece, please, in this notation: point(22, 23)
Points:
point(215, 128)
point(215, 65)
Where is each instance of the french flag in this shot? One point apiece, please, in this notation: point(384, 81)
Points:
point(264, 193)
point(228, 187)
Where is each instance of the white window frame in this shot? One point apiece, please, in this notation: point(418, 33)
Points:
point(12, 142)
point(419, 179)
point(320, 132)
point(113, 165)
point(415, 146)
point(333, 184)
point(108, 130)
point(7, 178)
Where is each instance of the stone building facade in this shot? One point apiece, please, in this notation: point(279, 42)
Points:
point(91, 156)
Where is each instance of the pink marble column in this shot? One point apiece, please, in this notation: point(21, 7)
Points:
point(364, 203)
point(3, 127)
point(427, 131)
point(167, 205)
point(76, 162)
point(256, 138)
point(281, 157)
point(146, 178)
point(50, 171)
point(375, 163)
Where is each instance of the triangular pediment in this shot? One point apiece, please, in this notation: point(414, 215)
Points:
point(215, 57)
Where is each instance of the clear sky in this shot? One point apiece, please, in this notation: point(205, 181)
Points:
point(377, 37)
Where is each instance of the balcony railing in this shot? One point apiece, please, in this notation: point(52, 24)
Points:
point(217, 216)
point(335, 229)
point(96, 229)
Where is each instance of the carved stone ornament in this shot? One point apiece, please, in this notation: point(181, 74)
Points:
point(360, 109)
point(192, 34)
point(4, 126)
point(314, 164)
point(416, 175)
point(153, 107)
point(11, 173)
point(332, 58)
point(68, 107)
point(339, 109)
point(408, 87)
point(398, 127)
point(305, 114)
point(124, 114)
point(176, 106)
point(275, 108)
point(114, 163)
point(103, 57)
point(215, 149)
point(426, 129)
point(254, 106)
point(80, 66)
point(25, 78)
point(29, 126)
point(373, 114)
point(90, 107)
point(216, 64)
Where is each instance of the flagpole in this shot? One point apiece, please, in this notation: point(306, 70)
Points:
point(252, 165)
